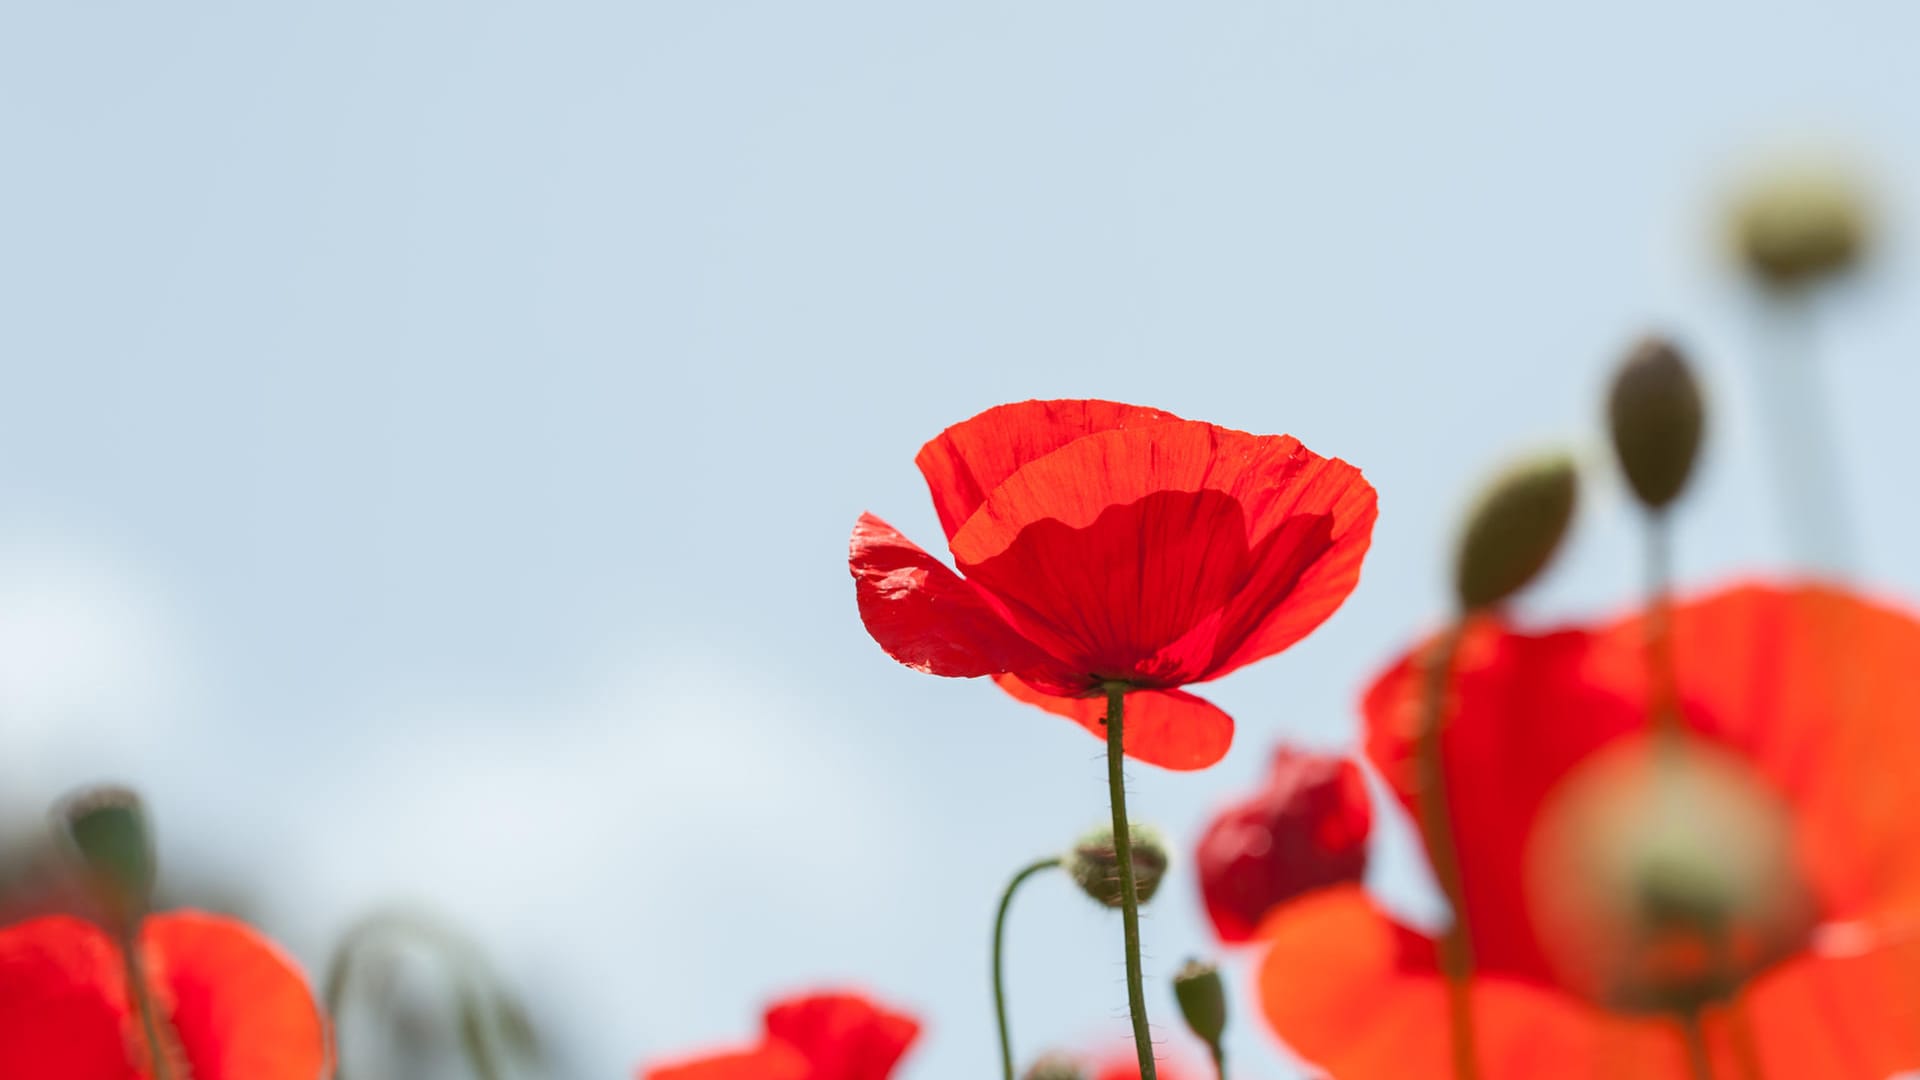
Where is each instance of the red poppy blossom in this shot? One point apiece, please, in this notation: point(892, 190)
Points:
point(1102, 543)
point(1305, 829)
point(232, 1007)
point(829, 1036)
point(1815, 690)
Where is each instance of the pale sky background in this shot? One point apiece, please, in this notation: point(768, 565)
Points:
point(430, 431)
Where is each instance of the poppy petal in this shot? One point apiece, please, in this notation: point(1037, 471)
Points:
point(1360, 995)
point(844, 1036)
point(240, 1007)
point(924, 615)
point(63, 1010)
point(1169, 728)
point(1170, 553)
point(1848, 1016)
point(773, 1061)
point(968, 460)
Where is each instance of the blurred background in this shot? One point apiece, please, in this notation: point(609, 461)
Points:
point(430, 432)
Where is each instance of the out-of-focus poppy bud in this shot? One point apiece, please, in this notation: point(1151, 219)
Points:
point(1203, 1000)
point(1801, 224)
point(106, 830)
point(1662, 877)
point(1514, 529)
point(1656, 415)
point(1054, 1067)
point(1096, 866)
point(1306, 828)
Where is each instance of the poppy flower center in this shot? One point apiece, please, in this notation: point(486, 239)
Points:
point(1662, 878)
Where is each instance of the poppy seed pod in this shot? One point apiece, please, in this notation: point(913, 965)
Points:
point(106, 830)
point(1203, 1000)
point(1802, 224)
point(1655, 414)
point(1664, 874)
point(1514, 529)
point(1095, 865)
point(1054, 1067)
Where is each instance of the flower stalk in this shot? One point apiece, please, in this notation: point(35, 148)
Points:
point(1436, 820)
point(999, 954)
point(1129, 896)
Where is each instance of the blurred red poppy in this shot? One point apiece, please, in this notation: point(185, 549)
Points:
point(1104, 543)
point(1305, 829)
point(1815, 690)
point(231, 1006)
point(828, 1036)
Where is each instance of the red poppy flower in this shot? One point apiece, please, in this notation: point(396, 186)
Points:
point(1814, 689)
point(1304, 830)
point(231, 1006)
point(833, 1036)
point(1113, 543)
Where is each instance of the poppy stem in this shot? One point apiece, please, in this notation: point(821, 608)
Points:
point(999, 952)
point(1699, 1065)
point(1436, 820)
point(1811, 499)
point(1663, 678)
point(1746, 1050)
point(1129, 893)
point(142, 997)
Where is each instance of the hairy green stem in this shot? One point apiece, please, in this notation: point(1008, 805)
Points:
point(1699, 1065)
point(142, 996)
point(1129, 893)
point(999, 955)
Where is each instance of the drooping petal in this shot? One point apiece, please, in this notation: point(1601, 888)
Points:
point(1305, 829)
point(772, 1061)
point(1169, 728)
point(923, 615)
point(844, 1036)
point(240, 1007)
point(1169, 553)
point(1361, 996)
point(964, 463)
point(63, 1008)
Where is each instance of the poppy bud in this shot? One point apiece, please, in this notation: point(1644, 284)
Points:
point(1802, 224)
point(1514, 529)
point(1656, 414)
point(1662, 875)
point(1096, 866)
point(1306, 828)
point(106, 830)
point(1054, 1067)
point(1203, 1000)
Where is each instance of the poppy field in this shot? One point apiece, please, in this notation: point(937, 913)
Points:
point(1229, 701)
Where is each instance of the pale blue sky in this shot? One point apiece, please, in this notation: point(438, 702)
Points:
point(429, 432)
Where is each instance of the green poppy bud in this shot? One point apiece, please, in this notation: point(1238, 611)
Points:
point(106, 831)
point(1656, 415)
point(1514, 529)
point(1095, 865)
point(1203, 1000)
point(1802, 224)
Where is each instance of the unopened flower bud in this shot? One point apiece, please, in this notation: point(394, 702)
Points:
point(1305, 829)
point(1514, 529)
point(1054, 1067)
point(1663, 878)
point(1656, 415)
point(106, 831)
point(1095, 864)
point(1802, 224)
point(1203, 1000)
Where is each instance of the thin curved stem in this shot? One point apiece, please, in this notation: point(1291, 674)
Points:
point(999, 953)
point(1129, 893)
point(1436, 820)
point(1663, 678)
point(142, 995)
point(1219, 1061)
